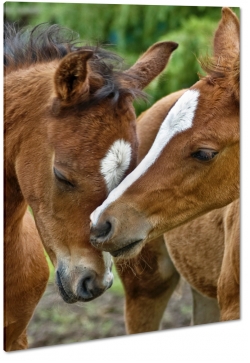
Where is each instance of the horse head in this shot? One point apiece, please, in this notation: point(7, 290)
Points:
point(193, 164)
point(74, 141)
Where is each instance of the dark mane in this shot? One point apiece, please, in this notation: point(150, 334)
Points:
point(45, 43)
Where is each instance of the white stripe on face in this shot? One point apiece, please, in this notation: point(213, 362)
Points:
point(179, 119)
point(115, 163)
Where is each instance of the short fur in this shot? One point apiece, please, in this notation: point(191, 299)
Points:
point(64, 108)
point(179, 188)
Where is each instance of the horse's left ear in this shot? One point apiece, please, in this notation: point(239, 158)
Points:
point(71, 77)
point(227, 36)
point(151, 64)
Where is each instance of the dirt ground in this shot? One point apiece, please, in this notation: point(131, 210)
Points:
point(55, 322)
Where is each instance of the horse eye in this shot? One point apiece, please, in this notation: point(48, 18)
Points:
point(204, 154)
point(61, 178)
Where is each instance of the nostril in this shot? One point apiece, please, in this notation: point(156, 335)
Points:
point(102, 230)
point(87, 287)
point(106, 229)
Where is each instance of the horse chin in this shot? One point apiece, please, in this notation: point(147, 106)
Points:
point(67, 295)
point(129, 251)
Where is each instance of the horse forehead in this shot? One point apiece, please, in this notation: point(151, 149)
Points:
point(216, 110)
point(95, 129)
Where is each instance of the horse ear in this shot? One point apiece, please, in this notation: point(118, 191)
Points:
point(227, 48)
point(227, 36)
point(151, 63)
point(71, 77)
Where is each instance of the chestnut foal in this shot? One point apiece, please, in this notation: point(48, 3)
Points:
point(191, 169)
point(70, 138)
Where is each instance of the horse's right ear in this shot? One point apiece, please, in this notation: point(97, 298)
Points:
point(227, 36)
point(151, 63)
point(227, 48)
point(71, 77)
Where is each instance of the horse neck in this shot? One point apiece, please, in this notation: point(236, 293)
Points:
point(26, 99)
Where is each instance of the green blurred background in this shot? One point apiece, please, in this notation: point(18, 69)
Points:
point(131, 29)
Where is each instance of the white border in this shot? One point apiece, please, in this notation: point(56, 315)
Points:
point(223, 342)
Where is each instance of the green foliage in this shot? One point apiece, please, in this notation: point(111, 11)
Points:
point(51, 268)
point(131, 29)
point(183, 68)
point(92, 21)
point(117, 286)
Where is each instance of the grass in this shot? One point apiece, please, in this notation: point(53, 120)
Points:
point(117, 286)
point(51, 268)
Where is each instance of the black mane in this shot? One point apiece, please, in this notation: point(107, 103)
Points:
point(45, 43)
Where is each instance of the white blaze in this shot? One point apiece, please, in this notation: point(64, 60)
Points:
point(115, 163)
point(179, 119)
